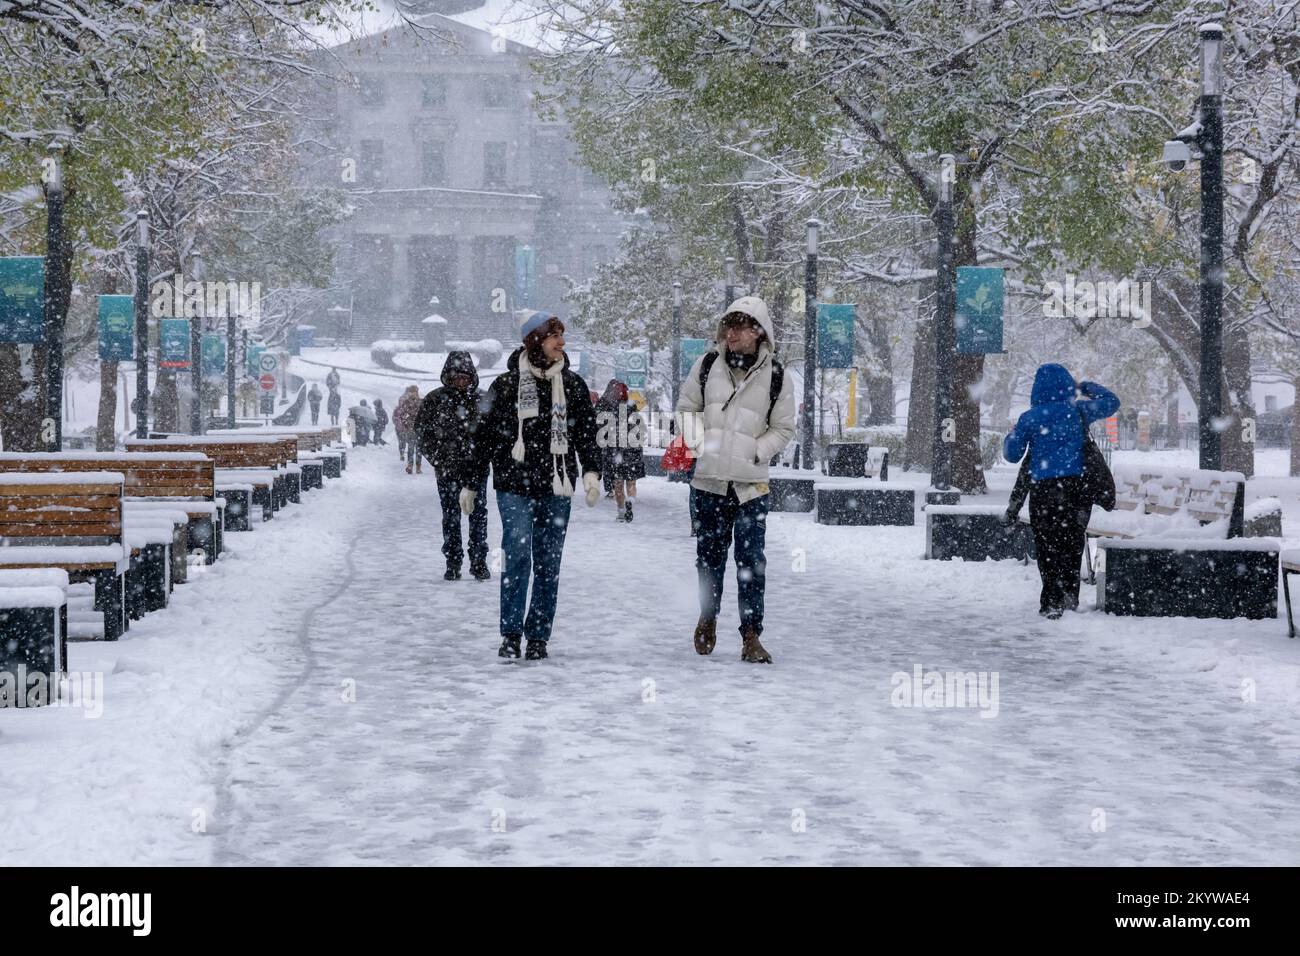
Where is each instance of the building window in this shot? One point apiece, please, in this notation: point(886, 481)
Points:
point(434, 89)
point(494, 164)
point(433, 165)
point(370, 166)
point(371, 91)
point(496, 92)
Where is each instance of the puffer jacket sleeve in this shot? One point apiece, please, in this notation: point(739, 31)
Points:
point(1016, 443)
point(690, 408)
point(780, 425)
point(1098, 402)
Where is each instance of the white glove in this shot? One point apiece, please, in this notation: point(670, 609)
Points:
point(591, 482)
point(467, 496)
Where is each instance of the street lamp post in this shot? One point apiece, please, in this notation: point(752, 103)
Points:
point(196, 346)
point(677, 343)
point(809, 453)
point(56, 305)
point(729, 292)
point(944, 331)
point(142, 324)
point(1210, 141)
point(230, 366)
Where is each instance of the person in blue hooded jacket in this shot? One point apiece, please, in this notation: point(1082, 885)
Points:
point(1052, 433)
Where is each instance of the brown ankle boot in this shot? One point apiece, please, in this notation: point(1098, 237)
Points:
point(706, 635)
point(752, 651)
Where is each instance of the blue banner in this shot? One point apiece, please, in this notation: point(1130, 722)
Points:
point(252, 360)
point(525, 276)
point(116, 328)
point(173, 343)
point(22, 300)
point(835, 334)
point(213, 355)
point(979, 310)
point(692, 349)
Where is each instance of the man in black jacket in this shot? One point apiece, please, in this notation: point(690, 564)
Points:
point(538, 426)
point(444, 429)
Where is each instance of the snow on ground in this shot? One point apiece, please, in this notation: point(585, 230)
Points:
point(626, 746)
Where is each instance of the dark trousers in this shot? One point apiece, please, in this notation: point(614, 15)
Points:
point(1059, 520)
point(315, 413)
point(717, 519)
point(449, 497)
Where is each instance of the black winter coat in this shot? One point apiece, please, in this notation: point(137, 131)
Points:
point(495, 437)
point(445, 423)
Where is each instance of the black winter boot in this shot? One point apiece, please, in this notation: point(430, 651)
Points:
point(536, 651)
point(628, 507)
point(452, 574)
point(480, 572)
point(509, 646)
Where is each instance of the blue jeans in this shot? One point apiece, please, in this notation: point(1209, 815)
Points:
point(532, 537)
point(717, 518)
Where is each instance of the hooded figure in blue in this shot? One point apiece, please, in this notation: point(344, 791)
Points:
point(1052, 433)
point(1052, 430)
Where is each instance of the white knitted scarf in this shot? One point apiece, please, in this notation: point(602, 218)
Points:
point(528, 405)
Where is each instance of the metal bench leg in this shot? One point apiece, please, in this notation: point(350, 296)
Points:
point(1087, 553)
point(1286, 590)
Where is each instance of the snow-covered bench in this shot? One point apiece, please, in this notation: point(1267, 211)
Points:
point(71, 521)
point(241, 460)
point(975, 533)
point(1173, 546)
point(866, 498)
point(169, 481)
point(33, 631)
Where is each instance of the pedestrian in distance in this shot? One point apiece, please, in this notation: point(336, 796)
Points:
point(1054, 434)
point(539, 437)
point(444, 429)
point(736, 411)
point(313, 401)
point(333, 405)
point(620, 433)
point(381, 422)
point(408, 406)
point(332, 380)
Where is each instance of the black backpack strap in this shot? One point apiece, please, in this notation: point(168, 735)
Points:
point(709, 359)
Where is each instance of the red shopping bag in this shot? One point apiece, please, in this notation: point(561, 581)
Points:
point(678, 457)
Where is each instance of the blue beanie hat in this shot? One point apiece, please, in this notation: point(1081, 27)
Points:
point(534, 322)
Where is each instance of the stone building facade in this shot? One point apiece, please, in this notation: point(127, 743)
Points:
point(466, 203)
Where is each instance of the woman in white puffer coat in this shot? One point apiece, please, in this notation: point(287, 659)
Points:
point(736, 412)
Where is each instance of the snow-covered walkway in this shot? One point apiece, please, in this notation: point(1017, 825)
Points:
point(1110, 741)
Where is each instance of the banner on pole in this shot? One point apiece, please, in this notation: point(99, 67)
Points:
point(213, 352)
point(173, 343)
point(116, 328)
point(692, 349)
point(835, 323)
point(254, 360)
point(22, 300)
point(979, 310)
point(525, 276)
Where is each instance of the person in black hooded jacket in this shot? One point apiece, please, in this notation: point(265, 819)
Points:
point(538, 430)
point(444, 429)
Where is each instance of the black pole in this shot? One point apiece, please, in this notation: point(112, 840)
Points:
point(809, 452)
point(244, 351)
point(944, 331)
point(230, 366)
point(677, 343)
point(729, 289)
point(1211, 144)
point(196, 348)
point(142, 324)
point(56, 305)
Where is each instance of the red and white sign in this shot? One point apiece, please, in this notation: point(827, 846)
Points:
point(267, 382)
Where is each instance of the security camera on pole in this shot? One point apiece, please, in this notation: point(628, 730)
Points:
point(1203, 141)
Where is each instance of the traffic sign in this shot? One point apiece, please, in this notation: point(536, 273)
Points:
point(267, 382)
point(267, 362)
